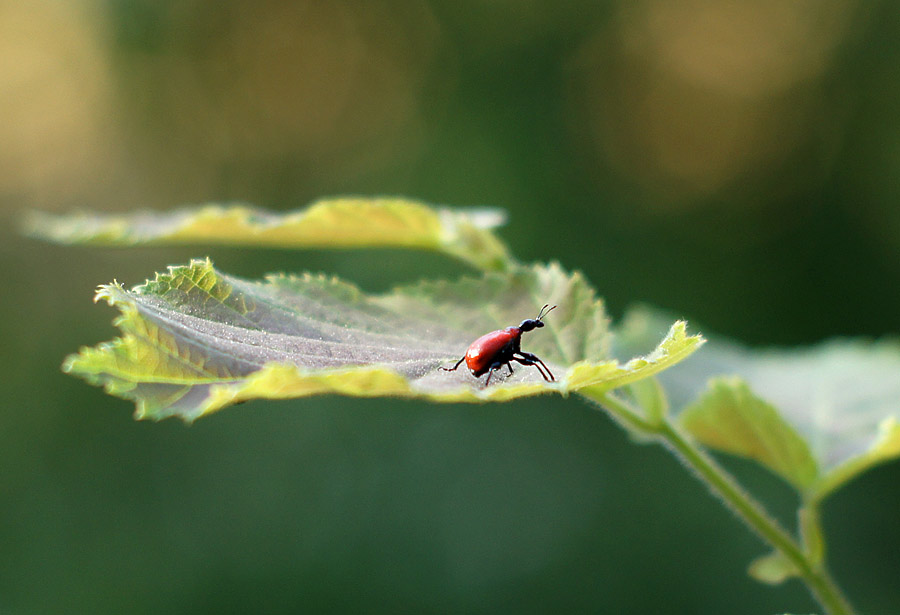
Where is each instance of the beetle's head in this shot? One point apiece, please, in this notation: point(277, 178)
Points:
point(535, 323)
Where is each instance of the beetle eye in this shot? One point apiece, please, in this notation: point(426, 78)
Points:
point(538, 323)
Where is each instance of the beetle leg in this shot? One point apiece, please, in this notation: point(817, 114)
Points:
point(546, 369)
point(530, 359)
point(548, 376)
point(509, 367)
point(491, 371)
point(453, 369)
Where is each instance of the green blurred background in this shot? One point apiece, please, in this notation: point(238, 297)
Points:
point(737, 162)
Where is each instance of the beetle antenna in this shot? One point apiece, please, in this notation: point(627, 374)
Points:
point(543, 313)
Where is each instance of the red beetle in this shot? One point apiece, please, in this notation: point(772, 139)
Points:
point(493, 350)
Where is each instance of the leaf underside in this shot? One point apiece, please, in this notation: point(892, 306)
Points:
point(195, 340)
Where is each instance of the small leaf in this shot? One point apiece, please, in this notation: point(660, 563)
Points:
point(330, 223)
point(730, 418)
point(195, 340)
point(772, 569)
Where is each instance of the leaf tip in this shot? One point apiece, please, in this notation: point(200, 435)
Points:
point(69, 364)
point(111, 293)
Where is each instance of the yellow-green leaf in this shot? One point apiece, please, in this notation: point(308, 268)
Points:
point(329, 223)
point(194, 340)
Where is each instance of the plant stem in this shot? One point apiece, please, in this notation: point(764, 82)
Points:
point(720, 482)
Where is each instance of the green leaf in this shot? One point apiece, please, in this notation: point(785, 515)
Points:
point(772, 569)
point(195, 340)
point(841, 397)
point(730, 418)
point(330, 223)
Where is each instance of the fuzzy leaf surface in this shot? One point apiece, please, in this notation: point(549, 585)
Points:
point(329, 223)
point(194, 340)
